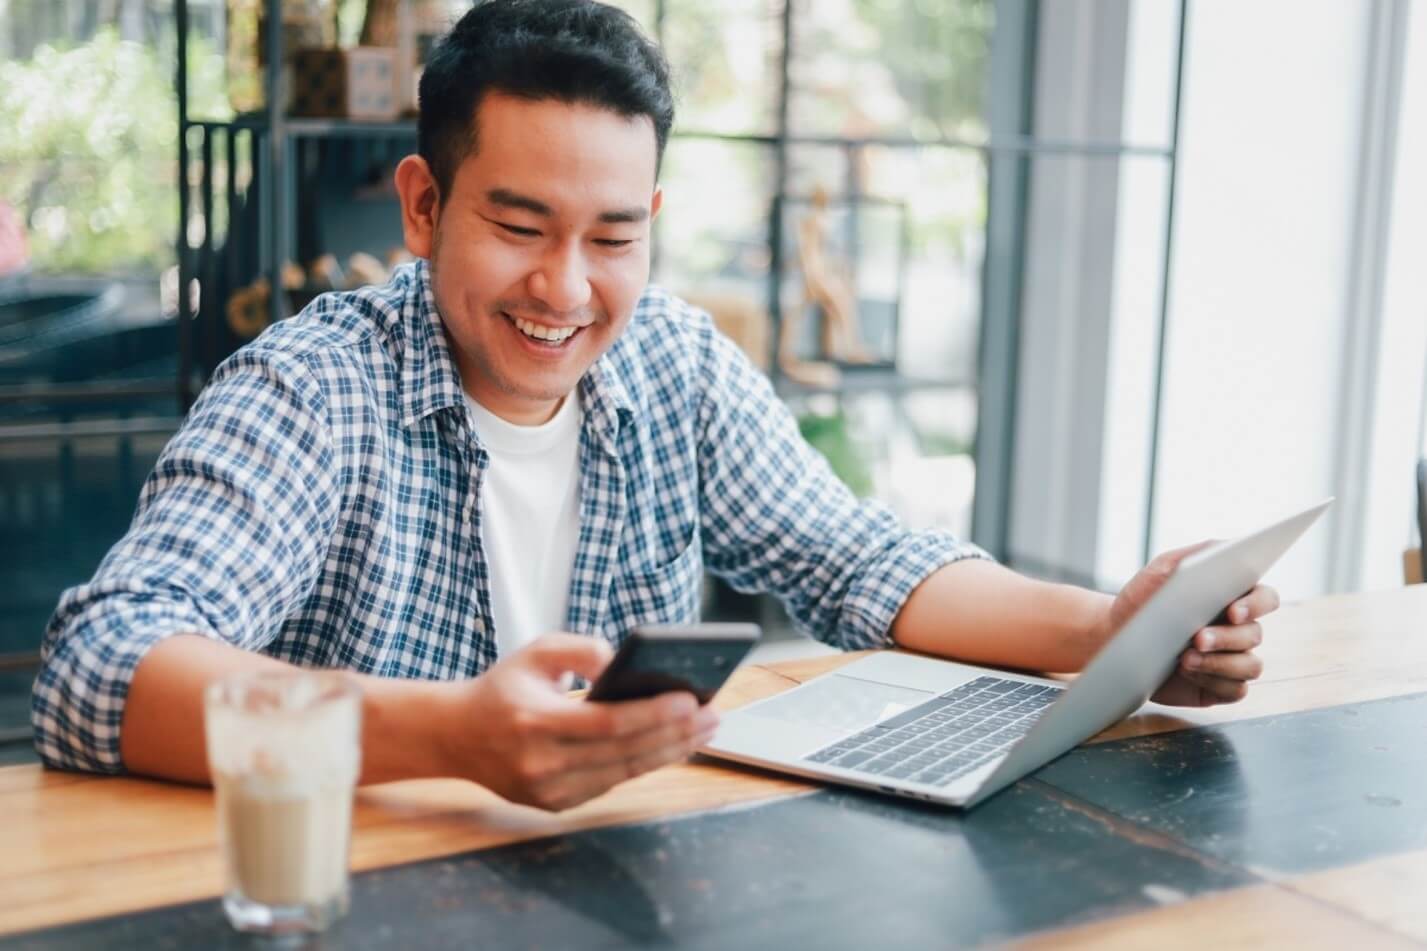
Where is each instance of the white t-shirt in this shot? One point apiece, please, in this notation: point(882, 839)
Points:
point(530, 520)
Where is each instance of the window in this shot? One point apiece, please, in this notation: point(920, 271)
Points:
point(857, 125)
point(88, 343)
point(1084, 140)
point(1220, 325)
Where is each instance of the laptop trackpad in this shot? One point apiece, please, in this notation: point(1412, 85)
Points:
point(841, 703)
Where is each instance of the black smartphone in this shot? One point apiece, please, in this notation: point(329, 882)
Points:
point(656, 658)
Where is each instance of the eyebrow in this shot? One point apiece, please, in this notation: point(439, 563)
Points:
point(506, 198)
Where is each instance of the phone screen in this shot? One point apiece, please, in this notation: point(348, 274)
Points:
point(653, 660)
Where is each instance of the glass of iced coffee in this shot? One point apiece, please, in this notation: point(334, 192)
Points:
point(284, 750)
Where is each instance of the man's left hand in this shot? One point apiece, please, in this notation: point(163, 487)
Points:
point(1219, 662)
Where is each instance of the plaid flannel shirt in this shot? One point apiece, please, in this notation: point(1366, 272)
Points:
point(320, 505)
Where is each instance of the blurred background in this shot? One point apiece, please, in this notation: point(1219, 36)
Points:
point(1081, 280)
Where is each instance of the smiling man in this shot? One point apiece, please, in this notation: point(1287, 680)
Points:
point(474, 480)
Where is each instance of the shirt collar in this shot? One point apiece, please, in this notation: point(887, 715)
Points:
point(606, 400)
point(430, 381)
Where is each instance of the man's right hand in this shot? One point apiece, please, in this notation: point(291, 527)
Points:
point(516, 731)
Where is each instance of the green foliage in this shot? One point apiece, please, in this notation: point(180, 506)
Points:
point(937, 51)
point(715, 83)
point(829, 436)
point(943, 444)
point(89, 146)
point(860, 68)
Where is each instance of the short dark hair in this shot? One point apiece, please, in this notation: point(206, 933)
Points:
point(574, 51)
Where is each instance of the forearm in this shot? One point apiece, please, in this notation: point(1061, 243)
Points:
point(981, 612)
point(162, 730)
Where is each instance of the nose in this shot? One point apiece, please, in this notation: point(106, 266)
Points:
point(562, 280)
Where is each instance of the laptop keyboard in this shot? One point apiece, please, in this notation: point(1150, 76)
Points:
point(947, 736)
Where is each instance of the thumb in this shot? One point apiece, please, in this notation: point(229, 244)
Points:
point(554, 655)
point(1157, 572)
point(1152, 577)
point(1174, 556)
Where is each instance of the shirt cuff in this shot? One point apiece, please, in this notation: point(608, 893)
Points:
point(89, 659)
point(872, 603)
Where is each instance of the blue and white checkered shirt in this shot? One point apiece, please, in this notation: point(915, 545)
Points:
point(320, 505)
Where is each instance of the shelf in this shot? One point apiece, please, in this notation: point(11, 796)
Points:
point(863, 380)
point(315, 128)
point(98, 390)
point(79, 429)
point(346, 128)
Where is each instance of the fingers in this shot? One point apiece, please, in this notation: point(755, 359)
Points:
point(1166, 561)
point(1219, 666)
point(557, 654)
point(1242, 631)
point(1240, 665)
point(569, 787)
point(1220, 662)
point(1153, 576)
point(672, 738)
point(584, 720)
point(534, 744)
point(1185, 689)
point(1240, 637)
point(647, 761)
point(1214, 690)
point(1252, 606)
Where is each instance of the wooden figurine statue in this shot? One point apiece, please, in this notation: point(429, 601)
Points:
point(828, 289)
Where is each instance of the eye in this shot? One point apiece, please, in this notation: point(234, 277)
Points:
point(614, 242)
point(516, 230)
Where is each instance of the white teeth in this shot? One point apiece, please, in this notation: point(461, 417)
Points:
point(544, 333)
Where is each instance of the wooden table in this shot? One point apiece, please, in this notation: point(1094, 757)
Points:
point(1281, 846)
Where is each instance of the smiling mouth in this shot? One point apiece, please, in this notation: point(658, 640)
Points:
point(551, 337)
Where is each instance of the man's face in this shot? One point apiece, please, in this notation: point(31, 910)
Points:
point(544, 234)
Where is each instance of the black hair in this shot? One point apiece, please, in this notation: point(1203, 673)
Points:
point(573, 51)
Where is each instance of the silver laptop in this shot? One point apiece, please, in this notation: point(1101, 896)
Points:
point(954, 734)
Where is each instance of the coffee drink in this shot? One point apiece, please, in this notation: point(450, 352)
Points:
point(284, 755)
point(284, 844)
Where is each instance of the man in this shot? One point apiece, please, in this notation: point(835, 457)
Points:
point(424, 482)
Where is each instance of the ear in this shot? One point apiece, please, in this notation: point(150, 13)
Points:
point(656, 203)
point(420, 204)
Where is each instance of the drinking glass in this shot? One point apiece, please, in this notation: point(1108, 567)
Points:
point(284, 750)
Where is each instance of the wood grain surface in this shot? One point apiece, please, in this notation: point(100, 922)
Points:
point(76, 847)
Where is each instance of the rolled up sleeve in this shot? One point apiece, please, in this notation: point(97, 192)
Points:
point(229, 533)
point(776, 518)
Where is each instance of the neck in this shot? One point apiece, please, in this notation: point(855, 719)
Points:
point(518, 412)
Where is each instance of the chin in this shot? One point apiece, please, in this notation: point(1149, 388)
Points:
point(546, 392)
